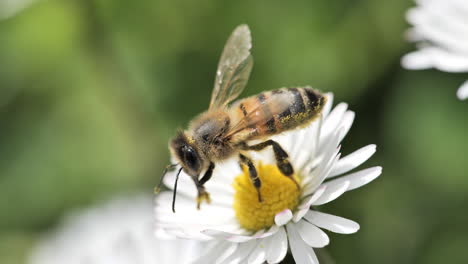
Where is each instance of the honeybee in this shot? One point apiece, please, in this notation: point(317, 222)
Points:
point(225, 130)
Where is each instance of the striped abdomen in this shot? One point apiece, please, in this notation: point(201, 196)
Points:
point(275, 111)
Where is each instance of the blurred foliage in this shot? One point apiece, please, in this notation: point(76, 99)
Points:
point(91, 91)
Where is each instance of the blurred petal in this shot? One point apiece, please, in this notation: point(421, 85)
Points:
point(441, 30)
point(9, 8)
point(462, 92)
point(438, 23)
point(118, 231)
point(432, 57)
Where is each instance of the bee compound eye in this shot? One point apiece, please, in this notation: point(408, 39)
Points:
point(191, 158)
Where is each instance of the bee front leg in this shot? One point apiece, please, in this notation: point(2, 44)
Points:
point(282, 158)
point(203, 195)
point(207, 176)
point(253, 174)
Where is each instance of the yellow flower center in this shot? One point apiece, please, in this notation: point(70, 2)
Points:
point(278, 193)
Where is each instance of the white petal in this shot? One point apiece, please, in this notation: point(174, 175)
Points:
point(440, 27)
point(437, 58)
point(333, 190)
point(299, 139)
point(213, 255)
point(353, 160)
point(187, 222)
point(314, 176)
point(317, 176)
point(306, 148)
point(359, 178)
point(283, 217)
point(308, 201)
point(299, 214)
point(273, 229)
point(227, 251)
point(187, 213)
point(332, 121)
point(346, 124)
point(277, 246)
point(331, 222)
point(305, 205)
point(312, 235)
point(416, 60)
point(258, 255)
point(218, 234)
point(242, 252)
point(328, 105)
point(462, 92)
point(302, 253)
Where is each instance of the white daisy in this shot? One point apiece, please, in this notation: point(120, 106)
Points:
point(118, 232)
point(441, 29)
point(249, 231)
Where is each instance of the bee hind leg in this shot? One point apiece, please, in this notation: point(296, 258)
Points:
point(282, 158)
point(253, 175)
point(203, 195)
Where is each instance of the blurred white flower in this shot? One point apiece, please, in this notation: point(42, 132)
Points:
point(249, 231)
point(118, 232)
point(9, 8)
point(440, 27)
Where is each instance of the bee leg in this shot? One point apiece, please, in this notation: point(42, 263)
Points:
point(253, 175)
point(207, 176)
point(202, 193)
point(168, 168)
point(282, 158)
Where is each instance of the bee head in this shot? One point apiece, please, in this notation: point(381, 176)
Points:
point(187, 154)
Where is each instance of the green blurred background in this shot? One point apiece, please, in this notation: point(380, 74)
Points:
point(91, 91)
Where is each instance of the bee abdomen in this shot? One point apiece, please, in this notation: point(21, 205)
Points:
point(306, 105)
point(276, 111)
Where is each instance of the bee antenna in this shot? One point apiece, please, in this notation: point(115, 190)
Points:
point(168, 167)
point(174, 193)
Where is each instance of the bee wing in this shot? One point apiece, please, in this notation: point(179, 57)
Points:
point(264, 112)
point(234, 68)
